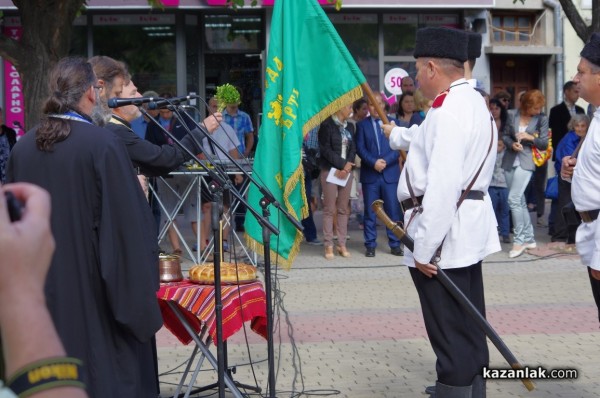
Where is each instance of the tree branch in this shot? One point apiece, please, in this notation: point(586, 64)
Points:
point(575, 19)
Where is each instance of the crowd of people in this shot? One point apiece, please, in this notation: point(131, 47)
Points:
point(518, 186)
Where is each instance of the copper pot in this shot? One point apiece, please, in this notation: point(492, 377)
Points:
point(169, 268)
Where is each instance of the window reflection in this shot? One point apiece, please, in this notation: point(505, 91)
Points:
point(147, 49)
point(399, 33)
point(233, 32)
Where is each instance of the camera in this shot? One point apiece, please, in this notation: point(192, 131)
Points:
point(15, 208)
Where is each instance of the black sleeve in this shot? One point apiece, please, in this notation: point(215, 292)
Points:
point(128, 266)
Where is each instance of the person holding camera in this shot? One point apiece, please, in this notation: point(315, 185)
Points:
point(29, 339)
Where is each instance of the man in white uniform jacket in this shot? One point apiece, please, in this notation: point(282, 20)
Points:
point(585, 169)
point(446, 152)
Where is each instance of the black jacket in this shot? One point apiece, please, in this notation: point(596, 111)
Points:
point(10, 134)
point(558, 120)
point(330, 146)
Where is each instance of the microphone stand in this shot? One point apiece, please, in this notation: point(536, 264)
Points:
point(267, 199)
point(222, 182)
point(217, 180)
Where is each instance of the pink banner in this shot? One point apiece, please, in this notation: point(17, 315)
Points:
point(170, 3)
point(14, 104)
point(216, 2)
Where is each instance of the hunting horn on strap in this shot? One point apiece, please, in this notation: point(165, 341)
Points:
point(455, 292)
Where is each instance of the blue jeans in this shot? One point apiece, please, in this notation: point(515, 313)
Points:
point(517, 180)
point(499, 197)
point(310, 230)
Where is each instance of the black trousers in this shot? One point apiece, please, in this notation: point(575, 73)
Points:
point(562, 230)
point(459, 344)
point(595, 290)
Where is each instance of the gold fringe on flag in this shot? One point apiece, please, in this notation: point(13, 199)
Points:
point(334, 106)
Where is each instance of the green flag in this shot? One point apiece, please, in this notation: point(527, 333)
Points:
point(309, 75)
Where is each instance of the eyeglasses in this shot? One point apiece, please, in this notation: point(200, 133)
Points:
point(99, 88)
point(505, 100)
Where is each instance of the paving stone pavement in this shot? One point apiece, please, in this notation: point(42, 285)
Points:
point(353, 327)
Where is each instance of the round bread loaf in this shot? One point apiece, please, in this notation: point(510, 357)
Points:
point(230, 274)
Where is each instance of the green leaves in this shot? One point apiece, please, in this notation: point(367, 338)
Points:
point(240, 3)
point(227, 94)
point(338, 4)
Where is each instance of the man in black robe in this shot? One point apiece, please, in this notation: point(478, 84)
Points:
point(152, 159)
point(102, 283)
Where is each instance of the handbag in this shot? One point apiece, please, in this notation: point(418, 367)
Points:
point(540, 157)
point(311, 162)
point(552, 188)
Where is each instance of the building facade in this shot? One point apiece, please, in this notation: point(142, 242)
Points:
point(192, 46)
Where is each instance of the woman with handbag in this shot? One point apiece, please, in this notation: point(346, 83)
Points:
point(526, 128)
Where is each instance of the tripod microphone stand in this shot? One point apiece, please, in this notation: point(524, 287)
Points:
point(221, 182)
point(267, 199)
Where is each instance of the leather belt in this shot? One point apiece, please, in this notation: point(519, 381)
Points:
point(589, 216)
point(408, 204)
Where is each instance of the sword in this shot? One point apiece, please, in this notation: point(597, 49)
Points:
point(455, 292)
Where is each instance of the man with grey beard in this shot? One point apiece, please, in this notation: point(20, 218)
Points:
point(150, 159)
point(100, 290)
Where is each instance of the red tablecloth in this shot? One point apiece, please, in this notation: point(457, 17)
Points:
point(241, 303)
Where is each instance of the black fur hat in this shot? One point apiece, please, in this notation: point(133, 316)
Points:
point(591, 51)
point(437, 42)
point(474, 49)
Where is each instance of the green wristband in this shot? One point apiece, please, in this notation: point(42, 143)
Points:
point(46, 374)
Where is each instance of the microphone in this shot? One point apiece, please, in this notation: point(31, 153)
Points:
point(118, 102)
point(165, 102)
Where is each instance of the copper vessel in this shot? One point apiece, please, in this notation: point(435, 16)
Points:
point(169, 268)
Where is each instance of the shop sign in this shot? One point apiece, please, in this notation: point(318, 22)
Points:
point(134, 19)
point(352, 18)
point(14, 104)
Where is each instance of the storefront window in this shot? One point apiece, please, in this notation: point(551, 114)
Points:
point(233, 32)
point(145, 42)
point(360, 35)
point(399, 32)
point(192, 47)
point(79, 39)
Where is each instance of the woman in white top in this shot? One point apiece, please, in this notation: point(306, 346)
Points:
point(525, 128)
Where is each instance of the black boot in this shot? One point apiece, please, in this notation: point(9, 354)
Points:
point(446, 391)
point(479, 387)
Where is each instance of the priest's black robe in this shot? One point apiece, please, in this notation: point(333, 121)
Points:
point(102, 283)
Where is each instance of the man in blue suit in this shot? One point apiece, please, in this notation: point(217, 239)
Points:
point(379, 175)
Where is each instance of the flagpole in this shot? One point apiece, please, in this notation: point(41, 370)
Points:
point(367, 89)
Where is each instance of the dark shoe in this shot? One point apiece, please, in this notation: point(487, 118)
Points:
point(430, 390)
point(479, 387)
point(315, 242)
point(506, 239)
point(397, 251)
point(370, 252)
point(444, 390)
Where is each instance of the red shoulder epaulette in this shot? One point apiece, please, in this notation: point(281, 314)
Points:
point(439, 100)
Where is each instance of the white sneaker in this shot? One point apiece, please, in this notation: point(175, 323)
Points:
point(531, 245)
